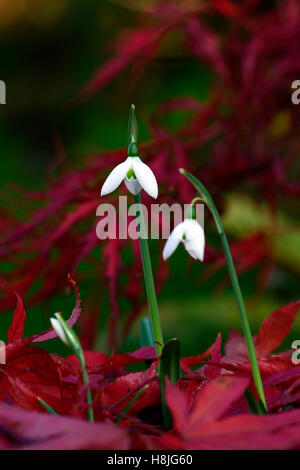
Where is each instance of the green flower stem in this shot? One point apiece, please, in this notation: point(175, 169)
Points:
point(88, 391)
point(149, 283)
point(244, 319)
point(207, 199)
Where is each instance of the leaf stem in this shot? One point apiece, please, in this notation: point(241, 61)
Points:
point(149, 282)
point(235, 283)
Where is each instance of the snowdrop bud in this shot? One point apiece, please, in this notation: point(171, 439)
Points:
point(59, 330)
point(66, 334)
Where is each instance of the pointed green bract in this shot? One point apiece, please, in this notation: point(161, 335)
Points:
point(132, 134)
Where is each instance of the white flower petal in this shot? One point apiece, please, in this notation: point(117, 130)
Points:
point(194, 239)
point(133, 186)
point(145, 177)
point(173, 241)
point(190, 251)
point(59, 330)
point(115, 178)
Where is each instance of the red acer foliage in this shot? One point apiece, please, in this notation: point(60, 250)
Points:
point(254, 59)
point(23, 430)
point(203, 426)
point(208, 405)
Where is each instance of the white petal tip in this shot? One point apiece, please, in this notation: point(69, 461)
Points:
point(104, 190)
point(145, 177)
point(153, 192)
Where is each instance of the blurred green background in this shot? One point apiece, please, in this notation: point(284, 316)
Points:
point(48, 51)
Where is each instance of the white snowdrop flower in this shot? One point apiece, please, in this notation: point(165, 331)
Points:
point(136, 175)
point(191, 234)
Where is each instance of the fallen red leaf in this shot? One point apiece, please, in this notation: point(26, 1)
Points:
point(33, 430)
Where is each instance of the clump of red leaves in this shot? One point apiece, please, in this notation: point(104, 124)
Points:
point(207, 404)
point(251, 48)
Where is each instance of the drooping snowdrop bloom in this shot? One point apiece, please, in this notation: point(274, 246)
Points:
point(136, 174)
point(191, 234)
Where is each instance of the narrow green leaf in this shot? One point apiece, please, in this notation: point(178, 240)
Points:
point(147, 337)
point(129, 405)
point(48, 407)
point(256, 407)
point(169, 367)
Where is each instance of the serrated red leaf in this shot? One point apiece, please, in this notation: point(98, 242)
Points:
point(92, 358)
point(189, 361)
point(121, 360)
point(119, 393)
point(199, 428)
point(16, 329)
point(276, 328)
point(51, 333)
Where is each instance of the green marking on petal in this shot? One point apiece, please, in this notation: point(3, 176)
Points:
point(131, 174)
